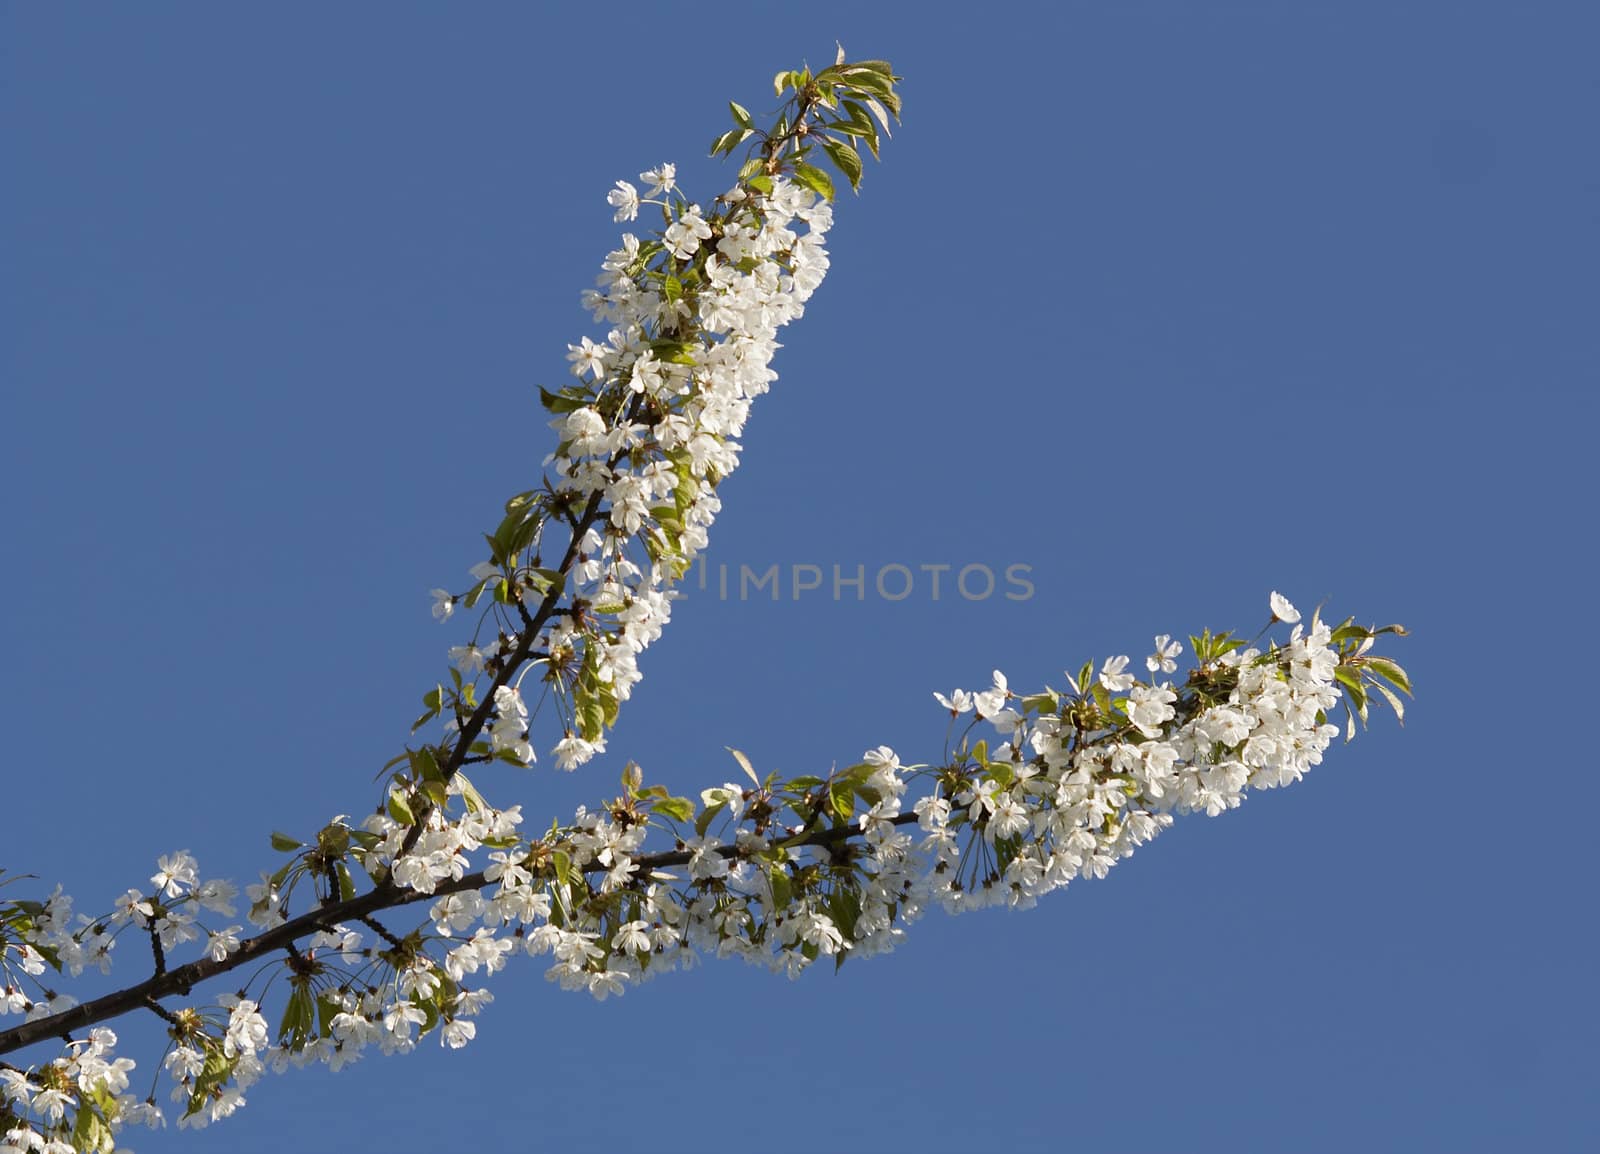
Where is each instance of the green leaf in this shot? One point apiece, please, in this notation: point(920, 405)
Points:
point(283, 843)
point(400, 810)
point(707, 816)
point(782, 888)
point(426, 765)
point(881, 67)
point(844, 907)
point(676, 808)
point(565, 401)
point(848, 160)
point(842, 799)
point(1389, 670)
point(470, 795)
point(814, 178)
point(90, 1134)
point(549, 579)
point(1102, 697)
point(867, 131)
point(333, 840)
point(347, 885)
point(609, 703)
point(1005, 852)
point(1356, 696)
point(298, 1014)
point(674, 352)
point(870, 81)
point(740, 116)
point(50, 954)
point(216, 1070)
point(1047, 702)
point(328, 1008)
point(591, 716)
point(430, 1010)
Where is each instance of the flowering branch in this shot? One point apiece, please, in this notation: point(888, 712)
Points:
point(1074, 782)
point(1034, 791)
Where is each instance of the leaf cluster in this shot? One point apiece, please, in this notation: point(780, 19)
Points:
point(835, 112)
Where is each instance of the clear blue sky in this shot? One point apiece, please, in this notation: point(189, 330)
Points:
point(1173, 303)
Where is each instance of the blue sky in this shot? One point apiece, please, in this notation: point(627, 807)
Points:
point(1172, 304)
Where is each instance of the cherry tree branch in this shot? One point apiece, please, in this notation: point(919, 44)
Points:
point(181, 981)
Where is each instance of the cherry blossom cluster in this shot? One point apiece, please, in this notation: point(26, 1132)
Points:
point(169, 915)
point(1062, 786)
point(87, 1079)
point(35, 1104)
point(644, 438)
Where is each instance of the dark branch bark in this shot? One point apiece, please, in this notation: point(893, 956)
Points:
point(179, 982)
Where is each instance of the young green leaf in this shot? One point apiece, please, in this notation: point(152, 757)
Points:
point(814, 178)
point(847, 159)
point(1388, 670)
point(707, 816)
point(676, 808)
